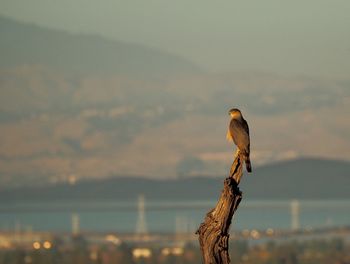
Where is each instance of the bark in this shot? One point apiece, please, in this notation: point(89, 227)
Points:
point(214, 231)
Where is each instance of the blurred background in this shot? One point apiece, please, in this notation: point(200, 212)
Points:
point(113, 116)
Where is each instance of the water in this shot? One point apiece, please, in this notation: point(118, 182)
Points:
point(168, 216)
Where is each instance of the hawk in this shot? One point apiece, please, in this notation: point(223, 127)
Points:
point(238, 132)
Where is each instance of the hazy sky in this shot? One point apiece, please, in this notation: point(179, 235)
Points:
point(309, 37)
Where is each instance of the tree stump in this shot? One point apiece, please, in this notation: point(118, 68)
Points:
point(214, 232)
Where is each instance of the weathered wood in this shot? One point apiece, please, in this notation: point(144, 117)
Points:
point(214, 231)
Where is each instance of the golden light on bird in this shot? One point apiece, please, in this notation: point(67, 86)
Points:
point(238, 132)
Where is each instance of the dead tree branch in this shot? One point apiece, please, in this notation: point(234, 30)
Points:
point(214, 232)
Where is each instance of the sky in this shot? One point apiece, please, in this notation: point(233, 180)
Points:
point(300, 37)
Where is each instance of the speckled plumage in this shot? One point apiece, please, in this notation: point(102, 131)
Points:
point(238, 132)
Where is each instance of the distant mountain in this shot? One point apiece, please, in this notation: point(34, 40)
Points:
point(83, 105)
point(307, 178)
point(22, 43)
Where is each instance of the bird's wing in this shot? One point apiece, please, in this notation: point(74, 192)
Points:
point(237, 127)
point(245, 126)
point(240, 134)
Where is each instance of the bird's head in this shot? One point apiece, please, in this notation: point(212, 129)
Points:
point(234, 113)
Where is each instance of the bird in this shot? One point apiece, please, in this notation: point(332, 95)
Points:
point(238, 132)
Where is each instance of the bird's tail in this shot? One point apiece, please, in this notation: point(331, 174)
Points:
point(248, 165)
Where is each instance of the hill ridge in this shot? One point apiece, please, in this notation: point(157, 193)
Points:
point(27, 43)
point(267, 182)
